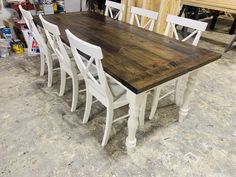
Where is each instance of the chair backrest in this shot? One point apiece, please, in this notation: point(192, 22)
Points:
point(110, 5)
point(197, 26)
point(34, 30)
point(94, 54)
point(139, 12)
point(53, 35)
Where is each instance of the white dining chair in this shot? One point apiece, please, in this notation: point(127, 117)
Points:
point(104, 88)
point(139, 13)
point(118, 7)
point(67, 66)
point(197, 28)
point(46, 56)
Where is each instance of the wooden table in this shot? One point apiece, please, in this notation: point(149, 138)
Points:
point(218, 5)
point(140, 60)
point(221, 5)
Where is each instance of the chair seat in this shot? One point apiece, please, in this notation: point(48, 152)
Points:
point(118, 93)
point(92, 69)
point(121, 101)
point(68, 50)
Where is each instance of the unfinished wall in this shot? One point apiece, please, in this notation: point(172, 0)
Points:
point(164, 7)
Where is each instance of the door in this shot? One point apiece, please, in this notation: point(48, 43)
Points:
point(75, 5)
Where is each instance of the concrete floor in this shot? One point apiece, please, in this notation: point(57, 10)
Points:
point(40, 137)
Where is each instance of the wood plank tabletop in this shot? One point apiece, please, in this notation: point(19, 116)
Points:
point(137, 58)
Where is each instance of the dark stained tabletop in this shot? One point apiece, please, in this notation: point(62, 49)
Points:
point(137, 58)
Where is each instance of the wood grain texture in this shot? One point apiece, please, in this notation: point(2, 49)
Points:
point(137, 58)
point(221, 5)
point(166, 7)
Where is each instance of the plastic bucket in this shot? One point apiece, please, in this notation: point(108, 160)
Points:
point(60, 6)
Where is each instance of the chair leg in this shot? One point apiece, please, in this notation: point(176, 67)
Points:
point(89, 99)
point(155, 102)
point(214, 20)
point(109, 119)
point(142, 112)
point(230, 46)
point(50, 71)
point(232, 29)
point(75, 93)
point(182, 10)
point(63, 83)
point(42, 67)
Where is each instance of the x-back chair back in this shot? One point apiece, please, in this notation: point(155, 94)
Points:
point(98, 86)
point(197, 26)
point(151, 15)
point(53, 35)
point(110, 5)
point(45, 53)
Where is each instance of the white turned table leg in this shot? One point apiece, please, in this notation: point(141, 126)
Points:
point(135, 102)
point(183, 112)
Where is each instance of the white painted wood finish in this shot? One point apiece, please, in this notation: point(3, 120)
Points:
point(103, 88)
point(66, 65)
point(137, 13)
point(45, 53)
point(135, 105)
point(184, 108)
point(110, 5)
point(198, 27)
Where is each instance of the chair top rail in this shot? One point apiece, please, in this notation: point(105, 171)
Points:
point(198, 25)
point(144, 12)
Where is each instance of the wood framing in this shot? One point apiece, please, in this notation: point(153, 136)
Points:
point(221, 5)
point(165, 7)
